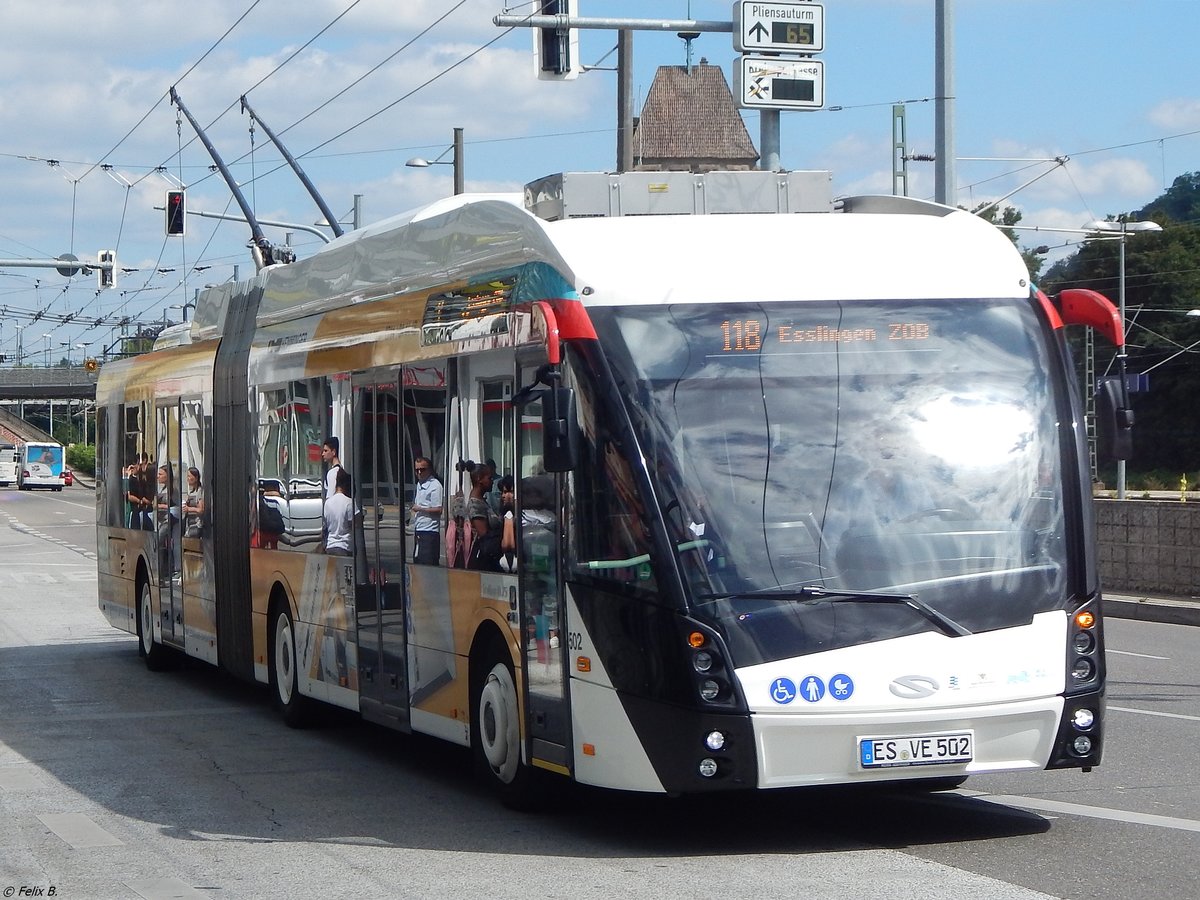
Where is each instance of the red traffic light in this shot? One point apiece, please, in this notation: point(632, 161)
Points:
point(176, 208)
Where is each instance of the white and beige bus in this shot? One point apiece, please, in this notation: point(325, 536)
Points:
point(801, 487)
point(8, 463)
point(40, 464)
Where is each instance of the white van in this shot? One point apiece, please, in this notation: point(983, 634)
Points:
point(40, 466)
point(8, 463)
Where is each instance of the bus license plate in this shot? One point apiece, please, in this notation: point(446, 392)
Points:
point(918, 750)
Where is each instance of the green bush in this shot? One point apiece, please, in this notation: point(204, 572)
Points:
point(82, 458)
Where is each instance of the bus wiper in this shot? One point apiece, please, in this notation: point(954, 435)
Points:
point(813, 593)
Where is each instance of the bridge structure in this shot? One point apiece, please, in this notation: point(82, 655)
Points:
point(36, 400)
point(47, 383)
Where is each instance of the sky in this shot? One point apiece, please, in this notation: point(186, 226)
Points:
point(90, 143)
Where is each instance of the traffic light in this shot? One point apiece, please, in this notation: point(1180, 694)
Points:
point(557, 48)
point(176, 208)
point(106, 275)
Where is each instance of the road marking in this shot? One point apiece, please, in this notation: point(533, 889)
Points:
point(164, 889)
point(18, 778)
point(1141, 655)
point(1151, 712)
point(1091, 812)
point(79, 831)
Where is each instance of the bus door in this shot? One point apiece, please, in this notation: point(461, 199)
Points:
point(378, 490)
point(539, 514)
point(168, 531)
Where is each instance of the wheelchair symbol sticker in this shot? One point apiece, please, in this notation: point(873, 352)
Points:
point(841, 687)
point(812, 689)
point(783, 690)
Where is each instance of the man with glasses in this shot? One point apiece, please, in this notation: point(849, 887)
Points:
point(427, 513)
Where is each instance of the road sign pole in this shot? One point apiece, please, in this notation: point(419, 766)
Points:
point(768, 138)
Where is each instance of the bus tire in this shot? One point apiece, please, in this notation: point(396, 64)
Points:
point(496, 734)
point(155, 654)
point(285, 676)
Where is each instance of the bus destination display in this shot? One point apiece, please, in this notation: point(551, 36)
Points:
point(749, 335)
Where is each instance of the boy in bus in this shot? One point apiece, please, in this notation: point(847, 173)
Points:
point(339, 517)
point(426, 513)
point(329, 456)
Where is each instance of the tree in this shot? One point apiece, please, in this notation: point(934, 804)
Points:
point(1162, 282)
point(1009, 216)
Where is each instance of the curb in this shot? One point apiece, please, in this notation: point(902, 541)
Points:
point(1152, 609)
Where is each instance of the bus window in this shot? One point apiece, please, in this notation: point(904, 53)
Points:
point(293, 420)
point(609, 535)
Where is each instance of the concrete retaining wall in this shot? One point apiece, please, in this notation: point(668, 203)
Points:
point(1149, 546)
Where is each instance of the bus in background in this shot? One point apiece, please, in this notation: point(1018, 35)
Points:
point(40, 465)
point(8, 464)
point(797, 490)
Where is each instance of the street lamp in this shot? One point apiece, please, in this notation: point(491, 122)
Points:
point(1122, 230)
point(46, 335)
point(418, 162)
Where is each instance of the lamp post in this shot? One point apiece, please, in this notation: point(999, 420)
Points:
point(418, 162)
point(1123, 229)
point(46, 335)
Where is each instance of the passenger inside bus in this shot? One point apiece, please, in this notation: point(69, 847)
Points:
point(193, 505)
point(339, 517)
point(426, 513)
point(484, 522)
point(166, 515)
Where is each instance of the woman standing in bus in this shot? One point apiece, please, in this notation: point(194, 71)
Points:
point(193, 504)
point(165, 512)
point(485, 546)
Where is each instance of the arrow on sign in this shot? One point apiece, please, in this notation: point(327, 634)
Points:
point(759, 31)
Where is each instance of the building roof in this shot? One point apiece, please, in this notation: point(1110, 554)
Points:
point(690, 115)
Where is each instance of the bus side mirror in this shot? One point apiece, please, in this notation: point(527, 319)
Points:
point(1114, 420)
point(560, 430)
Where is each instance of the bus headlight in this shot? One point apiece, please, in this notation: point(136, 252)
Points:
point(709, 689)
point(1083, 642)
point(1082, 745)
point(1083, 719)
point(708, 767)
point(714, 740)
point(702, 661)
point(1083, 669)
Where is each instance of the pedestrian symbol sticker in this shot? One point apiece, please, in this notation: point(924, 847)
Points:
point(841, 687)
point(812, 689)
point(783, 690)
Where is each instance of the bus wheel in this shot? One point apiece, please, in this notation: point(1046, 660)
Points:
point(496, 736)
point(284, 671)
point(154, 654)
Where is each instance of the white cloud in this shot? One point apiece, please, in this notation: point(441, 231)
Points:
point(1177, 114)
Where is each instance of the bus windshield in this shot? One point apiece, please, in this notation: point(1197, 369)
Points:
point(808, 458)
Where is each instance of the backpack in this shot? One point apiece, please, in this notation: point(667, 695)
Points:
point(270, 520)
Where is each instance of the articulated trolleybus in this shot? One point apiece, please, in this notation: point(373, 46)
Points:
point(801, 486)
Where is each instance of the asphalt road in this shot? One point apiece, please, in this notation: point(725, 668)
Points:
point(117, 782)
